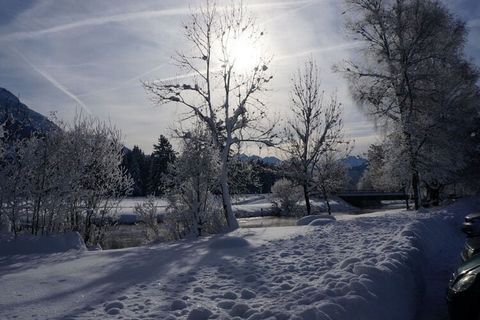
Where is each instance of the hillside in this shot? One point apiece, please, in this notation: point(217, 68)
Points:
point(20, 121)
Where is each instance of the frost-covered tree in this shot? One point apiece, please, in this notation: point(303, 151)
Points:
point(43, 160)
point(446, 138)
point(14, 183)
point(193, 208)
point(65, 179)
point(388, 164)
point(316, 128)
point(286, 194)
point(410, 47)
point(222, 89)
point(330, 175)
point(93, 154)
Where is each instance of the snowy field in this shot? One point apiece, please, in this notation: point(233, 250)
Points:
point(374, 266)
point(247, 205)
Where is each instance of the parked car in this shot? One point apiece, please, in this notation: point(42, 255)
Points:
point(471, 248)
point(463, 294)
point(471, 225)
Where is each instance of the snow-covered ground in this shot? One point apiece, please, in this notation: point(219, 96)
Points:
point(127, 205)
point(247, 205)
point(372, 267)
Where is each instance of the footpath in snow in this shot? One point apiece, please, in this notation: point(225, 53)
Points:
point(372, 267)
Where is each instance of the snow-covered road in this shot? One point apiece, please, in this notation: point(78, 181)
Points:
point(366, 268)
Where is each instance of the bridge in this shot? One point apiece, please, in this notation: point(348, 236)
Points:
point(370, 197)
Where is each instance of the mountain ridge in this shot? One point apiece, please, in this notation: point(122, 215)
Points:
point(20, 121)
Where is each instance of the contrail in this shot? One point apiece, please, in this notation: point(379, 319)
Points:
point(94, 22)
point(182, 76)
point(347, 45)
point(302, 5)
point(54, 82)
point(123, 83)
point(126, 17)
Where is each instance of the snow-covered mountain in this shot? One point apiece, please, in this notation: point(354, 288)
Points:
point(268, 160)
point(21, 121)
point(356, 168)
point(354, 161)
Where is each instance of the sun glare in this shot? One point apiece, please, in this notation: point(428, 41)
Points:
point(245, 55)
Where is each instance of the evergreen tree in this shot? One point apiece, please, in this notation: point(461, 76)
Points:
point(138, 166)
point(162, 156)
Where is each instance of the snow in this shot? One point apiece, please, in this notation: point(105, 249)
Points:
point(244, 206)
point(127, 205)
point(28, 244)
point(365, 267)
point(336, 205)
point(228, 242)
point(321, 222)
point(304, 221)
point(253, 206)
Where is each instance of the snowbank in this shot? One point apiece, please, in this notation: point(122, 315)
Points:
point(228, 242)
point(28, 244)
point(305, 221)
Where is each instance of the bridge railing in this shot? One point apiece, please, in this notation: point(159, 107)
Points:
point(369, 192)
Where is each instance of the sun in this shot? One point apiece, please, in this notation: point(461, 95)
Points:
point(244, 54)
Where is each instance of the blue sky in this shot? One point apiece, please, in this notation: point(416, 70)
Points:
point(70, 55)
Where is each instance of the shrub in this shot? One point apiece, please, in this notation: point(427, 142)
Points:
point(286, 195)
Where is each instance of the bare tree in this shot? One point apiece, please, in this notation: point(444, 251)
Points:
point(315, 128)
point(407, 44)
point(222, 91)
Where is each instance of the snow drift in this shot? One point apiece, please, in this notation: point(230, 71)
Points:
point(28, 244)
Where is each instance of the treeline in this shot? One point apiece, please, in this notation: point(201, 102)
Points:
point(150, 172)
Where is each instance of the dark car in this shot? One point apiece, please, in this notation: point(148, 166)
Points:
point(471, 248)
point(463, 293)
point(471, 225)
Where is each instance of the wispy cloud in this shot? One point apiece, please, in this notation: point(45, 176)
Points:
point(54, 82)
point(319, 49)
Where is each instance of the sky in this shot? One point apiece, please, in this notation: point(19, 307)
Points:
point(90, 56)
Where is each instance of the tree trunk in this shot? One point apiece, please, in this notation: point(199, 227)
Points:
point(232, 222)
point(433, 193)
point(307, 199)
point(325, 197)
point(415, 187)
point(414, 171)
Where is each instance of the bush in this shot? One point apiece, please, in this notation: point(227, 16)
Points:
point(147, 212)
point(286, 195)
